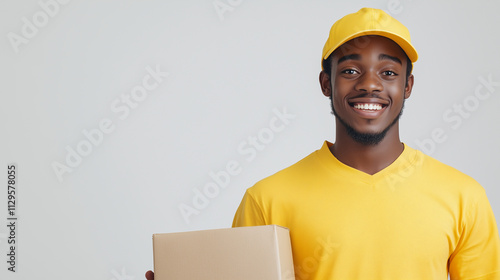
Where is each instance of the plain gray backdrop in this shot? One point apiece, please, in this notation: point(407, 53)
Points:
point(241, 98)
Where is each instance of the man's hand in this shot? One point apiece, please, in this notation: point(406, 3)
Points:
point(150, 275)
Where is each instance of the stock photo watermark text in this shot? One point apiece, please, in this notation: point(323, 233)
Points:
point(223, 6)
point(39, 19)
point(248, 148)
point(457, 113)
point(12, 224)
point(121, 107)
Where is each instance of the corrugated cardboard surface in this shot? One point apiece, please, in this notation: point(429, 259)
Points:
point(244, 253)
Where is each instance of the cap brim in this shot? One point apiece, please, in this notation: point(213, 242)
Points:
point(403, 43)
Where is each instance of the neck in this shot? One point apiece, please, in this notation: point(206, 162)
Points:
point(367, 158)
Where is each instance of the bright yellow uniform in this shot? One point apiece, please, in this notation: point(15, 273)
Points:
point(416, 219)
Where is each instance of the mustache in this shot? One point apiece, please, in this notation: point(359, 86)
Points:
point(368, 95)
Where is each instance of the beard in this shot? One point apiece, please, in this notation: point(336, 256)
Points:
point(368, 139)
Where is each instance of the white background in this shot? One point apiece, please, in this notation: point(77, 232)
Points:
point(229, 72)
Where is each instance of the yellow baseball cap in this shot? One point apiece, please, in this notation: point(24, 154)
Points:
point(368, 21)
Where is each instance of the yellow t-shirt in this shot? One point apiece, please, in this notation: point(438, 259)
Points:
point(416, 219)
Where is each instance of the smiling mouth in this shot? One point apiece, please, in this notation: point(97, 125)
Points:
point(368, 106)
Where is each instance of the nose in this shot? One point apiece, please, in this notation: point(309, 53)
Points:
point(369, 82)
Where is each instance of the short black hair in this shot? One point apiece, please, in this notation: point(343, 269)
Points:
point(327, 66)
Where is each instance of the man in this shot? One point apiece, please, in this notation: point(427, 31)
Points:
point(368, 206)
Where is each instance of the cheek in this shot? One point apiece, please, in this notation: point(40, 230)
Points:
point(338, 100)
point(339, 93)
point(397, 91)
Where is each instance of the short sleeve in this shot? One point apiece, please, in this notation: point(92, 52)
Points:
point(249, 213)
point(477, 255)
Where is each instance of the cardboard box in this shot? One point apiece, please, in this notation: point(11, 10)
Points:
point(243, 253)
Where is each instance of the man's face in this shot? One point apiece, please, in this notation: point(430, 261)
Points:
point(368, 86)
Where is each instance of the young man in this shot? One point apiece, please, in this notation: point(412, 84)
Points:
point(368, 206)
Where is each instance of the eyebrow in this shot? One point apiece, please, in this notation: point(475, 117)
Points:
point(358, 57)
point(389, 57)
point(349, 57)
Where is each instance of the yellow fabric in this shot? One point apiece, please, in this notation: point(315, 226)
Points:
point(416, 219)
point(368, 21)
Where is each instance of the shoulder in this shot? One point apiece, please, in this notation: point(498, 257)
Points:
point(443, 175)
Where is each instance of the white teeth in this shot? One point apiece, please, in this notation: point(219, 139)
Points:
point(366, 106)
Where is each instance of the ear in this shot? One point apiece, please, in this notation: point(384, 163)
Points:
point(409, 86)
point(325, 83)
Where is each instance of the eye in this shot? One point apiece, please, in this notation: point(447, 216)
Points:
point(349, 71)
point(389, 73)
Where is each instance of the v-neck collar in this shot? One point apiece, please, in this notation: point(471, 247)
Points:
point(404, 161)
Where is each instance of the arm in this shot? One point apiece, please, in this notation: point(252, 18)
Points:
point(477, 254)
point(249, 213)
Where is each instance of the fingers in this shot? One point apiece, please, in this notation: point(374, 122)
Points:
point(150, 275)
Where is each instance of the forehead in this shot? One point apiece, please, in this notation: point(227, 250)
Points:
point(370, 44)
